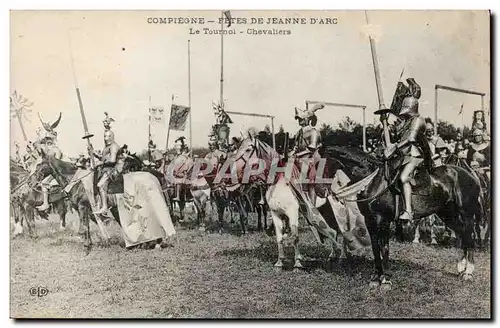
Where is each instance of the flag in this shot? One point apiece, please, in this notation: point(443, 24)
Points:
point(156, 114)
point(397, 100)
point(461, 109)
point(227, 13)
point(178, 117)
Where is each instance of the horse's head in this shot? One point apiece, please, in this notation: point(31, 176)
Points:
point(131, 163)
point(41, 170)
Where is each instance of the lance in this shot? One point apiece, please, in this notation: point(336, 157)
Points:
point(87, 135)
point(383, 110)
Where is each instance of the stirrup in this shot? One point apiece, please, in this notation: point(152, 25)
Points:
point(406, 216)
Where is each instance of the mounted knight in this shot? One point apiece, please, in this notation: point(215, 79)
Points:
point(108, 168)
point(47, 145)
point(308, 144)
point(479, 154)
point(216, 156)
point(411, 141)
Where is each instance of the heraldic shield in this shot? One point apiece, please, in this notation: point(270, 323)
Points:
point(144, 215)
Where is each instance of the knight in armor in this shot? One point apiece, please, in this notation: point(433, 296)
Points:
point(182, 165)
point(107, 168)
point(412, 144)
point(308, 144)
point(479, 153)
point(154, 154)
point(47, 144)
point(215, 156)
point(234, 145)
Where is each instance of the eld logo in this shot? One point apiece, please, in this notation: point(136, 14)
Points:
point(39, 291)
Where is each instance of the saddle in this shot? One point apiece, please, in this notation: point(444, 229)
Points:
point(115, 185)
point(55, 194)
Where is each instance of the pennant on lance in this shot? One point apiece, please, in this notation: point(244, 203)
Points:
point(178, 117)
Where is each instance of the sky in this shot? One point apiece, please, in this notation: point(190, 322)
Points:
point(123, 65)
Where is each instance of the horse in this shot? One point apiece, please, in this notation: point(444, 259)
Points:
point(26, 195)
point(448, 191)
point(485, 199)
point(82, 184)
point(283, 197)
point(229, 195)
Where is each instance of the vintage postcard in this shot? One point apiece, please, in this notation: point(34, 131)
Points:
point(250, 164)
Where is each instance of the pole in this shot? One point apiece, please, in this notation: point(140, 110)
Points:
point(80, 105)
point(102, 228)
point(272, 130)
point(376, 69)
point(21, 125)
point(189, 101)
point(168, 128)
point(436, 110)
point(222, 60)
point(364, 129)
point(149, 130)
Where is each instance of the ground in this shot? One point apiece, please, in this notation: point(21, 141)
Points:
point(208, 275)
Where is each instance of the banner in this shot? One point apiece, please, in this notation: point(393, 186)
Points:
point(156, 115)
point(178, 117)
point(157, 125)
point(144, 214)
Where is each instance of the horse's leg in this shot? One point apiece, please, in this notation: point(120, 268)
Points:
point(416, 239)
point(278, 225)
point(259, 210)
point(62, 211)
point(466, 264)
point(18, 219)
point(372, 226)
point(242, 213)
point(221, 206)
point(84, 212)
point(29, 212)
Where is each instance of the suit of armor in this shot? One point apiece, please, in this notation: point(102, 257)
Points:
point(182, 164)
point(108, 167)
point(479, 154)
point(411, 143)
point(307, 145)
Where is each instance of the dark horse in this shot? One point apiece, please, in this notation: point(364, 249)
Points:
point(64, 172)
point(485, 199)
point(448, 191)
point(26, 195)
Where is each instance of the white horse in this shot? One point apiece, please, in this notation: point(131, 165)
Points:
point(282, 200)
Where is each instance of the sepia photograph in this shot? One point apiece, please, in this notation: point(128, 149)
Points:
point(250, 164)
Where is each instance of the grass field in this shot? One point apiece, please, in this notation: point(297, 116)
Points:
point(207, 275)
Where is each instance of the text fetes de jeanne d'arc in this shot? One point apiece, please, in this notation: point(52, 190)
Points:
point(245, 20)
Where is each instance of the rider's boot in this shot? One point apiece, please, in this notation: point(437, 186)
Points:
point(45, 206)
point(407, 215)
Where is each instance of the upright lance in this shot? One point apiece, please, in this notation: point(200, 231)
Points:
point(383, 110)
point(80, 105)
